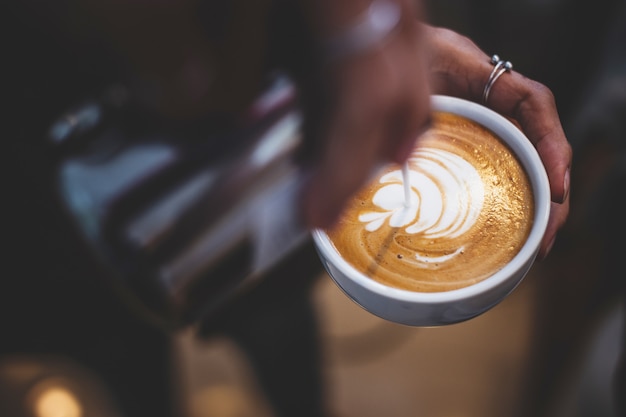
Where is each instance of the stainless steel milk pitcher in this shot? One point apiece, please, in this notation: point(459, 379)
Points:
point(182, 222)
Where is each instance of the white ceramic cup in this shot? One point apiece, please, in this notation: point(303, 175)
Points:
point(447, 307)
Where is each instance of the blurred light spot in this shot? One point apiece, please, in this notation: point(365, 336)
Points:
point(57, 401)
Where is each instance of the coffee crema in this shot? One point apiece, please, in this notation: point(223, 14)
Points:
point(471, 210)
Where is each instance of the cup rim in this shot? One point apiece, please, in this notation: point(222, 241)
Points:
point(530, 160)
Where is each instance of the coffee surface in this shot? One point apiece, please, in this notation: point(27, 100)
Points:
point(470, 212)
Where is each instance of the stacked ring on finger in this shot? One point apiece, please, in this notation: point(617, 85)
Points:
point(500, 67)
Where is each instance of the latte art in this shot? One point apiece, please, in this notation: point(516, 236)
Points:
point(445, 200)
point(470, 210)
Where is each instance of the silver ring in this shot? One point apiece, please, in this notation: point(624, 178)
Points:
point(500, 67)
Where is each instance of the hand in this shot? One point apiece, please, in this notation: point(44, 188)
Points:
point(459, 68)
point(377, 104)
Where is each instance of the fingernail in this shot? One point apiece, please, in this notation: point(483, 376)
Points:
point(549, 248)
point(566, 185)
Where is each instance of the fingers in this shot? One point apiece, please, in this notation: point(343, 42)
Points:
point(533, 106)
point(378, 109)
point(356, 149)
point(461, 69)
point(352, 150)
point(413, 117)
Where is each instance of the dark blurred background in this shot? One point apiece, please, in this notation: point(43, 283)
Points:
point(295, 346)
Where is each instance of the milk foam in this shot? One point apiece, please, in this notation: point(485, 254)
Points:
point(446, 197)
point(471, 209)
